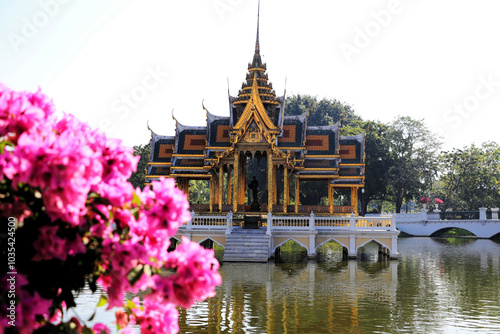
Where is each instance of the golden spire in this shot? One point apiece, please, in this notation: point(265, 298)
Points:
point(257, 46)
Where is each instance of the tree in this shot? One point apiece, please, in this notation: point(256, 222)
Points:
point(325, 111)
point(414, 167)
point(378, 159)
point(199, 192)
point(470, 177)
point(139, 176)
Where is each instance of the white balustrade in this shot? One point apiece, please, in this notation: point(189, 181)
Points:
point(209, 222)
point(375, 223)
point(314, 222)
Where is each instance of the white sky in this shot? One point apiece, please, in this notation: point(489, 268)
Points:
point(437, 60)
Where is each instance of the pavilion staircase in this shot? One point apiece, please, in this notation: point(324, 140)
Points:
point(247, 245)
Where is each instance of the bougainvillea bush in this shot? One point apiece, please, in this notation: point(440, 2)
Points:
point(78, 222)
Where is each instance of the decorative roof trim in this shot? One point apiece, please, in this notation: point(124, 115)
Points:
point(334, 128)
point(259, 109)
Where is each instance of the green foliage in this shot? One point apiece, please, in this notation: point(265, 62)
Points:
point(414, 161)
point(457, 232)
point(199, 192)
point(330, 251)
point(137, 179)
point(218, 252)
point(291, 252)
point(325, 111)
point(470, 177)
point(378, 159)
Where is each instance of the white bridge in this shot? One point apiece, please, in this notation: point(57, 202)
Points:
point(258, 245)
point(428, 224)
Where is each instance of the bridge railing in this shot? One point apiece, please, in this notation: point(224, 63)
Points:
point(312, 222)
point(436, 215)
point(411, 217)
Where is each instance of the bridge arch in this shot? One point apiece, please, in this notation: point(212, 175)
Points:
point(174, 242)
point(345, 248)
point(213, 240)
point(275, 247)
point(382, 247)
point(440, 231)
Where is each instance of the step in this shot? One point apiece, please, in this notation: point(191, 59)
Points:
point(245, 255)
point(237, 259)
point(245, 251)
point(246, 245)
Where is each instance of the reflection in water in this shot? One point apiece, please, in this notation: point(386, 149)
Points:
point(437, 286)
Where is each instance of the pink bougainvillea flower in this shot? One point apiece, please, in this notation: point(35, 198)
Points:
point(171, 208)
point(158, 318)
point(30, 308)
point(77, 178)
point(101, 329)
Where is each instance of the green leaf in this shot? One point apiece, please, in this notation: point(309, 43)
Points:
point(131, 305)
point(136, 200)
point(4, 143)
point(102, 301)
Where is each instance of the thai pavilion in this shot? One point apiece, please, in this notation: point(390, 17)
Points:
point(257, 127)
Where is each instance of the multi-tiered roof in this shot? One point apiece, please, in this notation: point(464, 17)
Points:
point(257, 122)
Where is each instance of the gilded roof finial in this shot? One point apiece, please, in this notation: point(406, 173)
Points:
point(257, 46)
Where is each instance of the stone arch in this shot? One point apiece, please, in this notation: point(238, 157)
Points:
point(345, 248)
point(440, 230)
point(383, 248)
point(213, 240)
point(288, 239)
point(173, 246)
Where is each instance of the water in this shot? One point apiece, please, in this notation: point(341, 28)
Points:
point(437, 286)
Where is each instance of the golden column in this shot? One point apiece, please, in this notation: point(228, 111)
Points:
point(235, 181)
point(285, 190)
point(354, 200)
point(297, 189)
point(228, 185)
point(330, 195)
point(212, 191)
point(242, 180)
point(221, 185)
point(275, 184)
point(270, 181)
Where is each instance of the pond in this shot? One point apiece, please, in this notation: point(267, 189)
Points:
point(439, 285)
